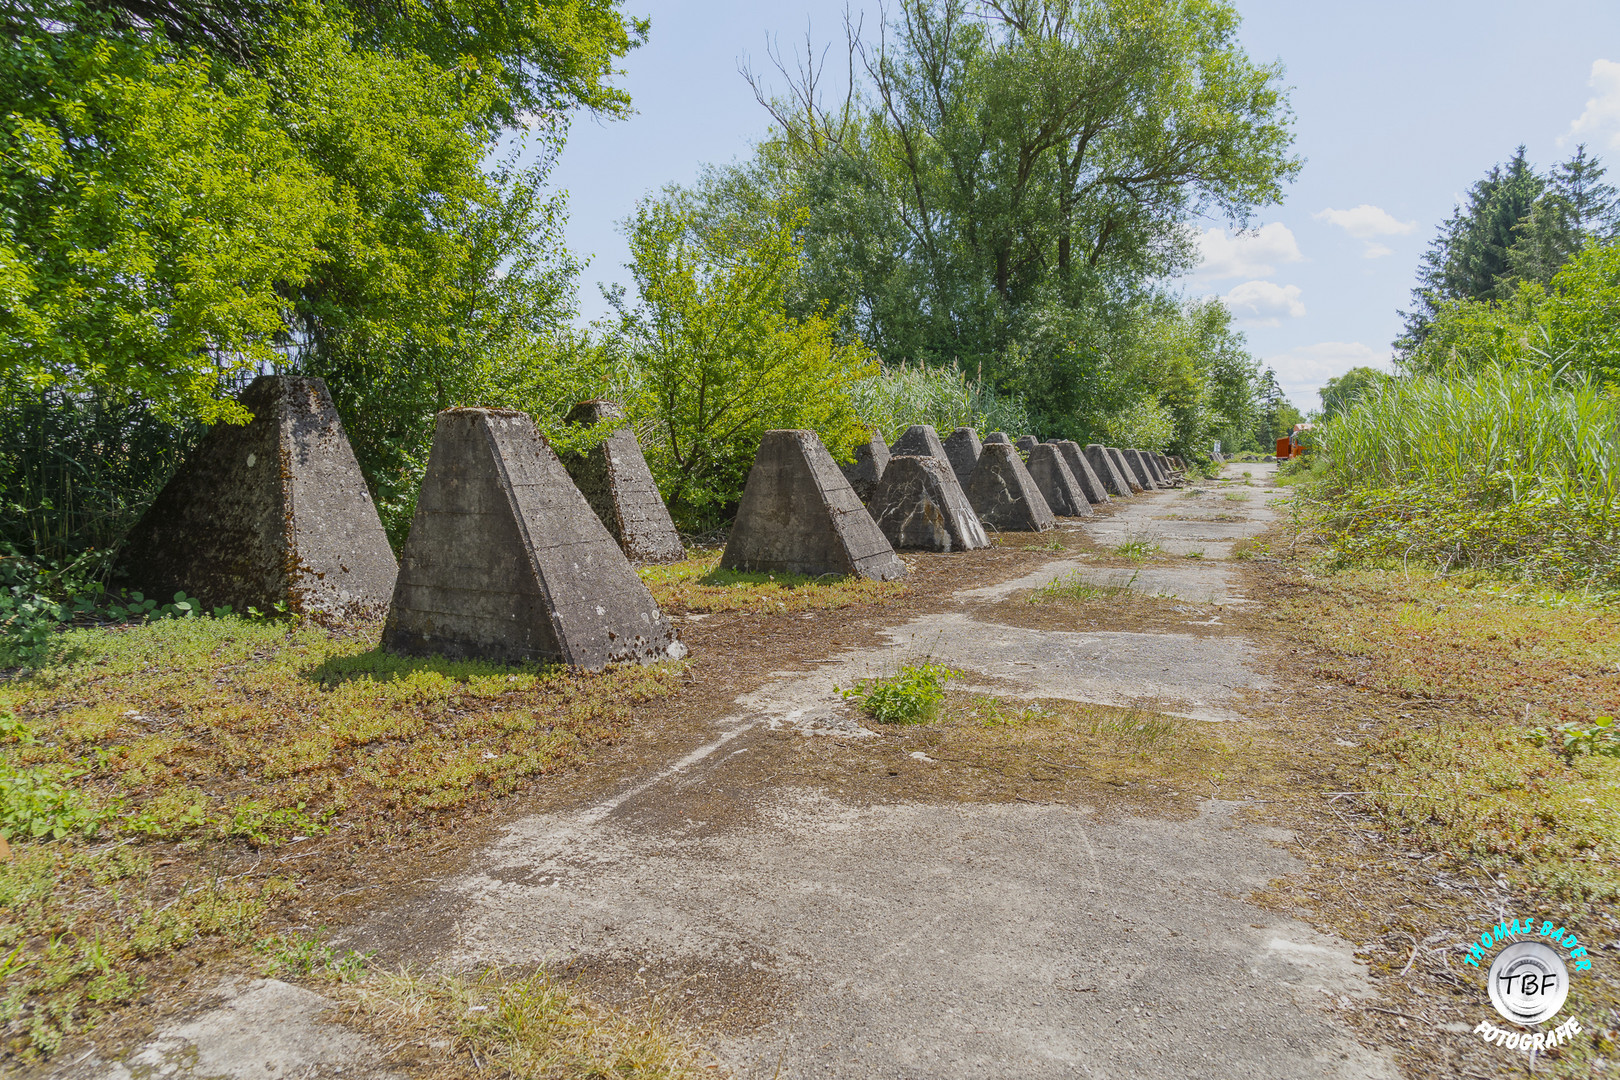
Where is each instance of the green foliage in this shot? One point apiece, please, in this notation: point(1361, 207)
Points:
point(153, 215)
point(898, 397)
point(715, 360)
point(310, 957)
point(1144, 423)
point(1517, 421)
point(40, 804)
point(1516, 468)
point(1342, 391)
point(1518, 229)
point(187, 198)
point(910, 696)
point(1575, 738)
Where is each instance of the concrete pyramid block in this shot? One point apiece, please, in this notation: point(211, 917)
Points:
point(999, 437)
point(919, 440)
point(1003, 493)
point(1084, 474)
point(799, 515)
point(1026, 443)
point(1118, 458)
point(919, 504)
point(1057, 483)
point(1102, 463)
point(962, 447)
point(507, 562)
point(271, 512)
point(871, 458)
point(615, 480)
point(1161, 468)
point(1137, 462)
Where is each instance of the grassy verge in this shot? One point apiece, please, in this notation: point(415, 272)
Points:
point(1493, 678)
point(152, 774)
point(506, 1024)
point(1478, 780)
point(698, 585)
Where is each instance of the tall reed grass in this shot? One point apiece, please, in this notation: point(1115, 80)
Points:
point(1514, 469)
point(943, 397)
point(1528, 424)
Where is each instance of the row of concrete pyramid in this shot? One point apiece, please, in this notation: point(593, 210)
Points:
point(514, 555)
point(801, 514)
point(1010, 486)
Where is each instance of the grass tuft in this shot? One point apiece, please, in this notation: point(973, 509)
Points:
point(698, 585)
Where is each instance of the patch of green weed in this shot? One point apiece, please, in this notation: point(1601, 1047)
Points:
point(910, 696)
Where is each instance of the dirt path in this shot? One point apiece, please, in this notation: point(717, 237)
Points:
point(820, 913)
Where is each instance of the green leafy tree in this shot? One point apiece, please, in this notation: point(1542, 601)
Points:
point(1342, 391)
point(715, 359)
point(1517, 227)
point(1000, 174)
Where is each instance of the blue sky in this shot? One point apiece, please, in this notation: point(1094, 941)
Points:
point(1400, 107)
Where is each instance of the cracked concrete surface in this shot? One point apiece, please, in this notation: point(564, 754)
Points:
point(966, 940)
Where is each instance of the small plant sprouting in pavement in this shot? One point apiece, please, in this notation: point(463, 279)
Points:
point(910, 696)
point(1138, 547)
point(1073, 586)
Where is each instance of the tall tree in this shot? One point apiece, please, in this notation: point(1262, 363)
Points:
point(999, 157)
point(1517, 226)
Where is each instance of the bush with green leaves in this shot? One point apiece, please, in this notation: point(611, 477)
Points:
point(910, 696)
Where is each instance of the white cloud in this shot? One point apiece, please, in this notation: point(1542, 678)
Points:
point(1245, 254)
point(1602, 116)
point(1264, 303)
point(1367, 223)
point(1302, 371)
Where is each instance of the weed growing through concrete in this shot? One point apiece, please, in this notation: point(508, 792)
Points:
point(309, 957)
point(1138, 548)
point(697, 584)
point(910, 696)
point(519, 1025)
point(1074, 586)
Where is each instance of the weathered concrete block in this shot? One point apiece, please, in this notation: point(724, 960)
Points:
point(1118, 458)
point(919, 504)
point(615, 480)
point(962, 446)
point(1056, 482)
point(1161, 466)
point(871, 458)
point(919, 440)
point(507, 562)
point(997, 436)
point(1003, 493)
point(1102, 463)
point(271, 512)
point(1084, 474)
point(1138, 465)
point(1026, 443)
point(799, 515)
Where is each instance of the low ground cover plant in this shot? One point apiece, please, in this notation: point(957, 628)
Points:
point(910, 696)
point(213, 741)
point(697, 584)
